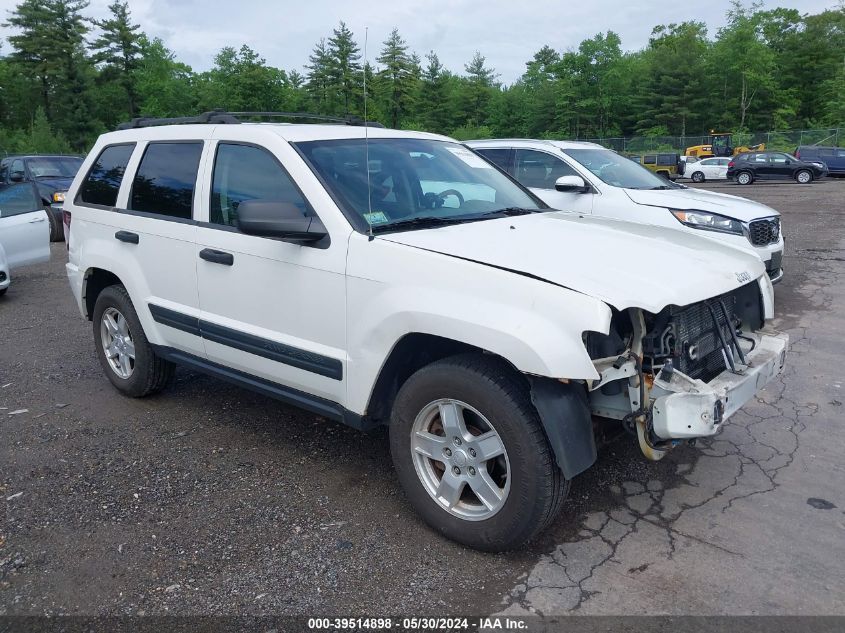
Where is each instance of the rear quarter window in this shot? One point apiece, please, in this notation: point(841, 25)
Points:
point(103, 181)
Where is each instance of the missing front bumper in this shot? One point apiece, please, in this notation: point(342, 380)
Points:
point(685, 408)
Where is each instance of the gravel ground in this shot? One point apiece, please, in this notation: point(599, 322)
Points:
point(208, 499)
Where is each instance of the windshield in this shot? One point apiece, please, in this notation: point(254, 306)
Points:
point(617, 170)
point(414, 182)
point(54, 166)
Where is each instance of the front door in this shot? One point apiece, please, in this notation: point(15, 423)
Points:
point(540, 170)
point(271, 309)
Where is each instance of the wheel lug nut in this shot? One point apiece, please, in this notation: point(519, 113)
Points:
point(472, 452)
point(457, 441)
point(456, 470)
point(447, 452)
point(472, 471)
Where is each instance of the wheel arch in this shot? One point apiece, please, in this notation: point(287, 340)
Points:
point(410, 353)
point(93, 283)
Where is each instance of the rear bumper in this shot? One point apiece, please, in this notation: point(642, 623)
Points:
point(685, 408)
point(75, 277)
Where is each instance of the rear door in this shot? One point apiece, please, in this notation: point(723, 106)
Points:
point(24, 229)
point(143, 231)
point(781, 166)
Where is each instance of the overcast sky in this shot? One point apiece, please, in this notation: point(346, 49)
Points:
point(507, 32)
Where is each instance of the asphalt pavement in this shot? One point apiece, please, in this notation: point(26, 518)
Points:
point(208, 499)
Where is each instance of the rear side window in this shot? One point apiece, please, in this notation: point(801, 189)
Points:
point(667, 159)
point(244, 172)
point(498, 157)
point(103, 181)
point(649, 159)
point(166, 178)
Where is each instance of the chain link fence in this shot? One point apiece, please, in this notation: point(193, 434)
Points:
point(786, 140)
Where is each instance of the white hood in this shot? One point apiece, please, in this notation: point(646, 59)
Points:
point(622, 263)
point(689, 199)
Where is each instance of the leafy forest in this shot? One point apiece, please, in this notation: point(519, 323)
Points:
point(66, 77)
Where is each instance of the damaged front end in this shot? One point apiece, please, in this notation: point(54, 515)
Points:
point(679, 374)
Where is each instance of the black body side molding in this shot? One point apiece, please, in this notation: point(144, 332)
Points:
point(568, 423)
point(285, 354)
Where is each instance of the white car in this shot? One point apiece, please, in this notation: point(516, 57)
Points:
point(24, 230)
point(387, 277)
point(707, 169)
point(589, 179)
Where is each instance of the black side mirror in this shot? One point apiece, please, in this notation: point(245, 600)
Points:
point(270, 218)
point(16, 176)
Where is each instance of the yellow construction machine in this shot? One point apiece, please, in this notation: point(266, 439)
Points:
point(721, 145)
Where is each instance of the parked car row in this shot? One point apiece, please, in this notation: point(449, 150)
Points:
point(397, 278)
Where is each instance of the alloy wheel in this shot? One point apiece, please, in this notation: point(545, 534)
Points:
point(117, 342)
point(460, 459)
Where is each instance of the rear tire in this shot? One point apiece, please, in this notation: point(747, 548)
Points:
point(744, 178)
point(146, 373)
point(3, 291)
point(485, 397)
point(803, 176)
point(697, 176)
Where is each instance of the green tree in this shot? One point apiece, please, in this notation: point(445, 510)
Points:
point(433, 105)
point(118, 49)
point(50, 41)
point(479, 87)
point(165, 86)
point(319, 78)
point(398, 78)
point(345, 71)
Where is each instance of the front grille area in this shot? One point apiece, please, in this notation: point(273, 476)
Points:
point(688, 336)
point(763, 232)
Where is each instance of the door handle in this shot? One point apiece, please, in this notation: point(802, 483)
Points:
point(217, 257)
point(126, 236)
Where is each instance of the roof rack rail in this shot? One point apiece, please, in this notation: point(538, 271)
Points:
point(213, 117)
point(221, 117)
point(349, 119)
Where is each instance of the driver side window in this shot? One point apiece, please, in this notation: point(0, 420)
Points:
point(245, 172)
point(539, 169)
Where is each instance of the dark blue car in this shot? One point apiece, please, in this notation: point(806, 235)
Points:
point(51, 175)
point(833, 157)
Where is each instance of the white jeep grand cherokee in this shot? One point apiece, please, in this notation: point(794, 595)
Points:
point(379, 276)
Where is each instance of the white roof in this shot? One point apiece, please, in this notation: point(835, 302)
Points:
point(528, 143)
point(292, 132)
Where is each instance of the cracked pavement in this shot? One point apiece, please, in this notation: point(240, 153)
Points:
point(208, 499)
point(750, 521)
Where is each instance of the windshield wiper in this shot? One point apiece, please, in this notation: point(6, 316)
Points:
point(510, 211)
point(660, 188)
point(420, 223)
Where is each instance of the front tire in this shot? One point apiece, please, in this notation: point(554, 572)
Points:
point(803, 176)
point(57, 233)
point(470, 452)
point(124, 352)
point(697, 176)
point(744, 178)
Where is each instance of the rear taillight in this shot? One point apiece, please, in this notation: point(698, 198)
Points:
point(66, 223)
point(730, 164)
